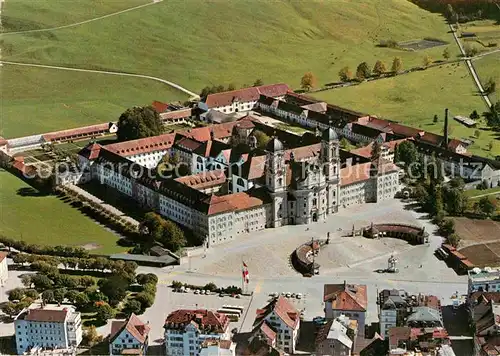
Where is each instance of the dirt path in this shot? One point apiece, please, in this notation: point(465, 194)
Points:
point(172, 84)
point(81, 22)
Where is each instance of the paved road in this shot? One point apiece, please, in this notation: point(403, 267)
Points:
point(472, 70)
point(81, 22)
point(173, 85)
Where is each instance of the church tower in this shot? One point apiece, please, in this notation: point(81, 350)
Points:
point(331, 163)
point(276, 181)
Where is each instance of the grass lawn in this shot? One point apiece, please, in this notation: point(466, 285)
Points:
point(19, 15)
point(222, 42)
point(489, 67)
point(415, 98)
point(39, 100)
point(47, 220)
point(477, 192)
point(299, 130)
point(487, 31)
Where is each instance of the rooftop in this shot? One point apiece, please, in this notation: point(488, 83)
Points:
point(133, 325)
point(204, 320)
point(283, 309)
point(346, 296)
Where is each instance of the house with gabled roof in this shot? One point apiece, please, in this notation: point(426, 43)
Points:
point(130, 337)
point(278, 324)
point(346, 299)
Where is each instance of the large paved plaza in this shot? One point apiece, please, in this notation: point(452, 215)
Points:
point(352, 259)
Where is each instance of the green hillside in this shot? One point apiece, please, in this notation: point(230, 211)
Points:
point(195, 43)
point(415, 98)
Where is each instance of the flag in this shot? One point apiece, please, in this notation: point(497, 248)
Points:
point(244, 272)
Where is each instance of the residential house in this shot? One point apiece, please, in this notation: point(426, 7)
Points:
point(47, 326)
point(216, 347)
point(129, 337)
point(484, 280)
point(186, 330)
point(424, 317)
point(346, 299)
point(278, 323)
point(489, 323)
point(336, 337)
point(393, 309)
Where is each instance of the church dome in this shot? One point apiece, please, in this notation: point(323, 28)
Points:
point(274, 145)
point(330, 135)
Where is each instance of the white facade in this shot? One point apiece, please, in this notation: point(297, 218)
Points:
point(148, 159)
point(388, 319)
point(486, 280)
point(286, 336)
point(42, 328)
point(188, 341)
point(124, 341)
point(4, 271)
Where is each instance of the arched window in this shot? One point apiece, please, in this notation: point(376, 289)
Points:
point(240, 182)
point(199, 159)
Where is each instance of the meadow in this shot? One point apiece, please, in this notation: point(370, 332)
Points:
point(489, 67)
point(416, 97)
point(39, 100)
point(27, 215)
point(199, 43)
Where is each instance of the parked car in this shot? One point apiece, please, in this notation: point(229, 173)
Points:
point(288, 295)
point(298, 296)
point(196, 291)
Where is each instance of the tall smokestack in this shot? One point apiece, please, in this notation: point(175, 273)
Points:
point(446, 127)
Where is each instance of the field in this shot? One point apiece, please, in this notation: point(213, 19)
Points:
point(416, 97)
point(489, 67)
point(35, 218)
point(483, 255)
point(478, 192)
point(39, 100)
point(246, 40)
point(485, 234)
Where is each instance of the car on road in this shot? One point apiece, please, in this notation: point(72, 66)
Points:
point(298, 296)
point(288, 295)
point(319, 320)
point(196, 291)
point(293, 295)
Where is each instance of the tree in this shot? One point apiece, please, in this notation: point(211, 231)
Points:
point(31, 293)
point(455, 199)
point(406, 155)
point(145, 299)
point(376, 151)
point(132, 306)
point(151, 226)
point(59, 294)
point(474, 115)
point(345, 74)
point(262, 139)
point(447, 227)
point(26, 280)
point(104, 312)
point(205, 92)
point(454, 240)
point(470, 51)
point(397, 65)
point(16, 294)
point(490, 87)
point(485, 206)
point(41, 282)
point(231, 87)
point(363, 71)
point(435, 119)
point(344, 144)
point(81, 300)
point(172, 237)
point(139, 122)
point(72, 296)
point(379, 68)
point(48, 296)
point(446, 53)
point(90, 336)
point(427, 61)
point(143, 278)
point(10, 309)
point(308, 81)
point(115, 288)
point(493, 116)
point(258, 83)
point(490, 145)
point(477, 133)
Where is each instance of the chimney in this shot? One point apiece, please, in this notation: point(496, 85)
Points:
point(446, 127)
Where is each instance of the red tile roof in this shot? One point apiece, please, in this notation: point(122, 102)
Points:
point(177, 114)
point(366, 151)
point(398, 333)
point(46, 315)
point(80, 131)
point(159, 106)
point(142, 145)
point(202, 318)
point(355, 174)
point(232, 202)
point(283, 309)
point(91, 151)
point(133, 325)
point(268, 332)
point(346, 296)
point(204, 180)
point(245, 95)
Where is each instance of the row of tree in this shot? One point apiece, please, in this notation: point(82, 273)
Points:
point(221, 88)
point(63, 251)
